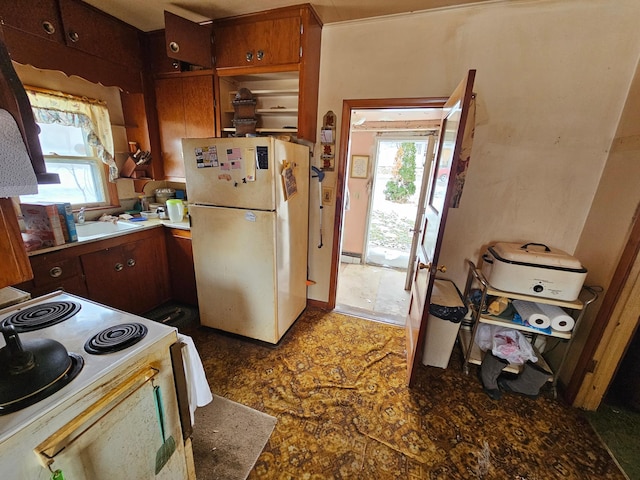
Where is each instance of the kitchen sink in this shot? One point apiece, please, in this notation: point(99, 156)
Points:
point(100, 229)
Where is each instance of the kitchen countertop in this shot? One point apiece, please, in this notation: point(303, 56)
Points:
point(10, 296)
point(139, 226)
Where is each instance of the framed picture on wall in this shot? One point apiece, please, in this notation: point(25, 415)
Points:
point(359, 166)
point(327, 196)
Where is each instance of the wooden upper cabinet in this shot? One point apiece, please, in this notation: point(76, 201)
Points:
point(185, 107)
point(99, 34)
point(156, 54)
point(41, 18)
point(73, 37)
point(247, 42)
point(187, 41)
point(276, 55)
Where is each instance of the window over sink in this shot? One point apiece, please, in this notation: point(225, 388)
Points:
point(76, 140)
point(82, 175)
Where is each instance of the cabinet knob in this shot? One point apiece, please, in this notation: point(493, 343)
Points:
point(260, 55)
point(131, 262)
point(55, 272)
point(174, 47)
point(48, 27)
point(118, 267)
point(249, 56)
point(73, 36)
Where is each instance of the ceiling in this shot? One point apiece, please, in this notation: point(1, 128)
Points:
point(148, 15)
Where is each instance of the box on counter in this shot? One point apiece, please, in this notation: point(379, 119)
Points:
point(42, 220)
point(67, 222)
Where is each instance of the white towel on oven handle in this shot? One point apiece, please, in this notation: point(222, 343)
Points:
point(198, 389)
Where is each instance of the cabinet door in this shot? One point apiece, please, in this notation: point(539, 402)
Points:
point(97, 33)
point(132, 277)
point(171, 122)
point(185, 109)
point(187, 41)
point(15, 263)
point(39, 18)
point(180, 258)
point(156, 54)
point(145, 265)
point(199, 115)
point(106, 278)
point(260, 43)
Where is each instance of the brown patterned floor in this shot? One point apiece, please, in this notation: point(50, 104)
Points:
point(337, 387)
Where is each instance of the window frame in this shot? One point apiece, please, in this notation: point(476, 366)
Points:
point(101, 172)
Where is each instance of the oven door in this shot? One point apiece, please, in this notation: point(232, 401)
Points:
point(120, 436)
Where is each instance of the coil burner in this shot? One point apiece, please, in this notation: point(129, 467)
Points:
point(41, 316)
point(115, 338)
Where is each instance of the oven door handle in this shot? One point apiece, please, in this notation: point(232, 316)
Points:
point(48, 449)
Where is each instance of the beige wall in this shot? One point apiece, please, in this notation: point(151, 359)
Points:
point(552, 79)
point(607, 227)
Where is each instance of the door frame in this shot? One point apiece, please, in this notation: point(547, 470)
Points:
point(613, 328)
point(341, 167)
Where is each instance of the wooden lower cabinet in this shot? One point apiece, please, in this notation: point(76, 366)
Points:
point(129, 272)
point(131, 277)
point(56, 271)
point(180, 257)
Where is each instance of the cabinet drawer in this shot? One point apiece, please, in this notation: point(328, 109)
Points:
point(53, 269)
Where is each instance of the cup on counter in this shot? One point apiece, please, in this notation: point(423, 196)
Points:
point(175, 209)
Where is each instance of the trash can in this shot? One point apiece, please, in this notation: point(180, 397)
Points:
point(446, 311)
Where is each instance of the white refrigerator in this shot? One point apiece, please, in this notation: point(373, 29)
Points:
point(249, 208)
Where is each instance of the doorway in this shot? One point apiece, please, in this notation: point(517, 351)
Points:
point(382, 209)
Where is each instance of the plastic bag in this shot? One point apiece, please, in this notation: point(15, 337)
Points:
point(446, 301)
point(505, 343)
point(453, 314)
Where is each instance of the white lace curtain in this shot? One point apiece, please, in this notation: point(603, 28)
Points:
point(90, 115)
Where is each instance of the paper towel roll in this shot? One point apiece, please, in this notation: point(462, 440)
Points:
point(531, 312)
point(18, 177)
point(561, 321)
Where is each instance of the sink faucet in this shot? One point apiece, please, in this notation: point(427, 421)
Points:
point(81, 215)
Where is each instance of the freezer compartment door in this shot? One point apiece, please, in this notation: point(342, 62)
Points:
point(231, 172)
point(234, 255)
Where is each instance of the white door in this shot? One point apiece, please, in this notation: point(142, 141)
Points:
point(439, 197)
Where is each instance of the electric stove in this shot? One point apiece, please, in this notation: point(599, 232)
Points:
point(105, 340)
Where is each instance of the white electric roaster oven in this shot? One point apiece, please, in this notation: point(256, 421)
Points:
point(91, 392)
point(533, 269)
